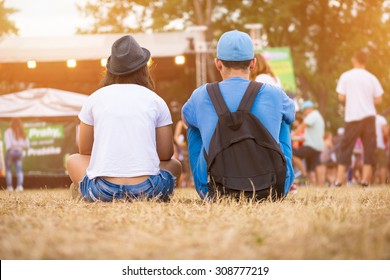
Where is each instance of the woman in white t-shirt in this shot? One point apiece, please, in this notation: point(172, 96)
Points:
point(125, 139)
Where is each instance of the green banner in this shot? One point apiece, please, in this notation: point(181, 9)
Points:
point(51, 141)
point(282, 65)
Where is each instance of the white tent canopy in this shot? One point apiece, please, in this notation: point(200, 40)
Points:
point(41, 102)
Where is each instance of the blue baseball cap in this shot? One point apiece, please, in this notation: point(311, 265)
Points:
point(307, 104)
point(235, 46)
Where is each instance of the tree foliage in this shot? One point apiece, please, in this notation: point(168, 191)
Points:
point(6, 25)
point(322, 34)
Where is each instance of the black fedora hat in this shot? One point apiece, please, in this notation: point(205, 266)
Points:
point(126, 56)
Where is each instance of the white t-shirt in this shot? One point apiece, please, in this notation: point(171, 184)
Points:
point(268, 79)
point(11, 143)
point(380, 121)
point(314, 132)
point(125, 118)
point(360, 87)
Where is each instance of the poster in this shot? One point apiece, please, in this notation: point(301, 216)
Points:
point(282, 65)
point(51, 141)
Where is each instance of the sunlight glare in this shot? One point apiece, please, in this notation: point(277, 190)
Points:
point(103, 62)
point(31, 64)
point(180, 59)
point(71, 63)
point(334, 3)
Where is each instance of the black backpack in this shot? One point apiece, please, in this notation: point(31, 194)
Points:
point(243, 156)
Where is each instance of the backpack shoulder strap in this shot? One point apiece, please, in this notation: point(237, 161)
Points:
point(249, 96)
point(217, 99)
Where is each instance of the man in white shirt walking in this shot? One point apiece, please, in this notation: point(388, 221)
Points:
point(360, 91)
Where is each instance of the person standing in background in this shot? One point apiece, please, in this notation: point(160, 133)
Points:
point(382, 130)
point(326, 170)
point(314, 127)
point(15, 141)
point(360, 91)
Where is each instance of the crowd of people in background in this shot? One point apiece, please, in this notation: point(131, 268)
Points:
point(358, 153)
point(360, 149)
point(326, 165)
point(318, 156)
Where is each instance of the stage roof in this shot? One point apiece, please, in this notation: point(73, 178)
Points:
point(41, 102)
point(87, 47)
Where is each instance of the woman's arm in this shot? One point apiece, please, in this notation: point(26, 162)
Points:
point(164, 142)
point(85, 139)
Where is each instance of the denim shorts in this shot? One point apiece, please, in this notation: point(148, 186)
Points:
point(159, 187)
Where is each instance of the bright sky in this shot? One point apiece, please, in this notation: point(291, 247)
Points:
point(37, 18)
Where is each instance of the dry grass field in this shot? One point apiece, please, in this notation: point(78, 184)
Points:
point(315, 223)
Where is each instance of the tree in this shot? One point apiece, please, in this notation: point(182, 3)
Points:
point(136, 16)
point(6, 26)
point(322, 34)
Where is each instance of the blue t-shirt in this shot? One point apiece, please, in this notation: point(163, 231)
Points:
point(271, 106)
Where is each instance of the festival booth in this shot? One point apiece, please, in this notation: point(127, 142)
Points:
point(51, 123)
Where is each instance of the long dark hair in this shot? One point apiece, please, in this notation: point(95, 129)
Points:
point(18, 128)
point(140, 77)
point(261, 67)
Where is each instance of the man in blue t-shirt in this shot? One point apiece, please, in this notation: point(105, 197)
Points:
point(235, 59)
